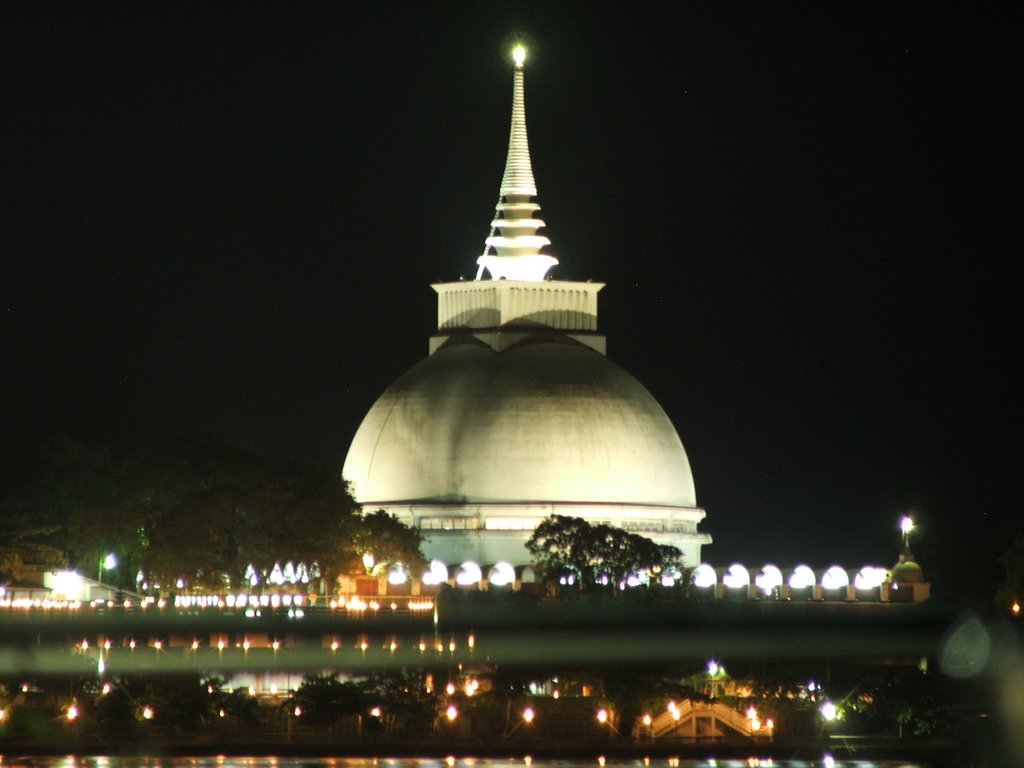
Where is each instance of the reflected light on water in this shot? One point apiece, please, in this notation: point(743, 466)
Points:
point(221, 761)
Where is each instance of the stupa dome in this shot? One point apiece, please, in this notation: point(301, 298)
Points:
point(542, 421)
point(516, 414)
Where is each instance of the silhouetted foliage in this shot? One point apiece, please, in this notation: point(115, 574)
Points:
point(388, 540)
point(1012, 587)
point(22, 543)
point(562, 544)
point(324, 699)
point(404, 699)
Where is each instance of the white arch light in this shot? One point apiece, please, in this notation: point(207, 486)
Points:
point(869, 577)
point(736, 577)
point(769, 579)
point(801, 578)
point(835, 578)
point(704, 576)
point(469, 574)
point(436, 574)
point(501, 575)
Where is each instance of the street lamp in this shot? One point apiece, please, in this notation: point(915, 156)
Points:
point(526, 717)
point(829, 711)
point(604, 717)
point(906, 526)
point(107, 563)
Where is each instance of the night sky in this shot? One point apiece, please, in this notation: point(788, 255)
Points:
point(225, 217)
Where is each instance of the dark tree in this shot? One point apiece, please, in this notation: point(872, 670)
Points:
point(23, 543)
point(595, 553)
point(205, 511)
point(38, 520)
point(1012, 588)
point(405, 702)
point(324, 699)
point(388, 540)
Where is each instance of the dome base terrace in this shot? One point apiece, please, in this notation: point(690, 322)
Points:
point(489, 533)
point(502, 313)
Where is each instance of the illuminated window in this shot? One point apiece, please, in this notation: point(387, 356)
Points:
point(643, 526)
point(511, 523)
point(449, 523)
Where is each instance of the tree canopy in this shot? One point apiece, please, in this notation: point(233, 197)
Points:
point(201, 511)
point(388, 541)
point(595, 554)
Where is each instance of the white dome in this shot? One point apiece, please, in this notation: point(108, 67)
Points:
point(544, 421)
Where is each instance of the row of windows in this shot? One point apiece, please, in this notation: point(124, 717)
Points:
point(449, 523)
point(512, 523)
point(530, 523)
point(643, 526)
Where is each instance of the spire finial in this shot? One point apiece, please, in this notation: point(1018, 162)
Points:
point(519, 56)
point(906, 526)
point(514, 252)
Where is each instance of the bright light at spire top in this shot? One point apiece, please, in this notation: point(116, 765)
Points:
point(519, 55)
point(906, 524)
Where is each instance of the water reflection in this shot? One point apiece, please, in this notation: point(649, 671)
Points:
point(220, 761)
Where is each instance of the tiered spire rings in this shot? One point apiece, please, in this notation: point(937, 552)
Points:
point(512, 250)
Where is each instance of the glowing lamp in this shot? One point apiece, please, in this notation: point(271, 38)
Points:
point(602, 715)
point(704, 576)
point(528, 715)
point(869, 577)
point(769, 579)
point(801, 578)
point(437, 573)
point(737, 577)
point(906, 524)
point(502, 574)
point(519, 55)
point(469, 573)
point(835, 578)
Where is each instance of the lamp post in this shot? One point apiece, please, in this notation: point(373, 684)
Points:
point(525, 718)
point(107, 562)
point(906, 526)
point(604, 717)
